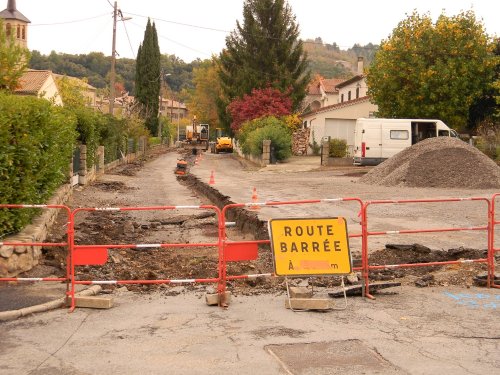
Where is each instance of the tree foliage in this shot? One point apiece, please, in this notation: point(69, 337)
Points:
point(266, 128)
point(264, 51)
point(148, 77)
point(261, 102)
point(432, 70)
point(13, 60)
point(202, 101)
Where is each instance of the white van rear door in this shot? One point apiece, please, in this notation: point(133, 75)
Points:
point(372, 138)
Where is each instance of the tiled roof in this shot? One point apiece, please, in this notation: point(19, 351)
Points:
point(356, 78)
point(339, 105)
point(75, 80)
point(11, 13)
point(32, 81)
point(329, 85)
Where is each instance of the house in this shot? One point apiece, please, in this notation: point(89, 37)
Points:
point(88, 91)
point(338, 120)
point(321, 92)
point(39, 83)
point(172, 109)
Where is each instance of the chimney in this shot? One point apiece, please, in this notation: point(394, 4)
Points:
point(360, 65)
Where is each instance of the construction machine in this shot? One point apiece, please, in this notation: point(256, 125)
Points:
point(223, 143)
point(197, 134)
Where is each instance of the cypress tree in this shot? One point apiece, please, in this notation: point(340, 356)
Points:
point(264, 51)
point(147, 77)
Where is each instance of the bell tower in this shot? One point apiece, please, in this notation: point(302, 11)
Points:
point(15, 23)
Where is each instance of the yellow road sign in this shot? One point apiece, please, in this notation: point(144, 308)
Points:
point(305, 247)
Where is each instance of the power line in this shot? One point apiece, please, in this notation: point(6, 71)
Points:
point(67, 22)
point(173, 41)
point(129, 42)
point(180, 23)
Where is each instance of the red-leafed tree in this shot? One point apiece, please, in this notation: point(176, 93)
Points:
point(261, 102)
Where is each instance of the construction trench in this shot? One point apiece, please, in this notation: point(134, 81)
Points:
point(109, 227)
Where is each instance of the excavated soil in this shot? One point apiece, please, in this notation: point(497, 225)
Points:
point(442, 162)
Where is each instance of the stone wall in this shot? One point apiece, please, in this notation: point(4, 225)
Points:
point(15, 260)
point(263, 160)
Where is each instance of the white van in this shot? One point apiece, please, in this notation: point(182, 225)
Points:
point(376, 139)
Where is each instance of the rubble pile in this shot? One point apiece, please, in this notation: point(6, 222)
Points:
point(441, 162)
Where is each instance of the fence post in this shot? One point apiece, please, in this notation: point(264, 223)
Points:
point(266, 152)
point(325, 152)
point(82, 173)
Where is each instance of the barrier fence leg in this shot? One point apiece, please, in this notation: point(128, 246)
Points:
point(490, 281)
point(71, 258)
point(221, 287)
point(364, 252)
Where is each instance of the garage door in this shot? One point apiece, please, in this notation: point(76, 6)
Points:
point(342, 129)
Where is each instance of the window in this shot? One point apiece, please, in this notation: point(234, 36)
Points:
point(349, 95)
point(443, 133)
point(18, 32)
point(8, 28)
point(342, 98)
point(400, 134)
point(24, 32)
point(357, 92)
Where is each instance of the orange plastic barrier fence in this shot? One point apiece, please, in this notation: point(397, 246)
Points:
point(367, 233)
point(248, 250)
point(98, 254)
point(234, 251)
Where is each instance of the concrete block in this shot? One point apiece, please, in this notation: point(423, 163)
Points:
point(92, 302)
point(300, 292)
point(309, 303)
point(212, 299)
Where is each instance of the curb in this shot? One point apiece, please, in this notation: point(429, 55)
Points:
point(14, 314)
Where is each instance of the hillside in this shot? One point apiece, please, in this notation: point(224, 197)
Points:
point(330, 61)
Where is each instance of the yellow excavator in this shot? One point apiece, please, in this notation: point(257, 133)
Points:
point(223, 143)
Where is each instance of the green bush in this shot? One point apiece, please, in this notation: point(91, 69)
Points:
point(337, 148)
point(276, 131)
point(36, 144)
point(113, 137)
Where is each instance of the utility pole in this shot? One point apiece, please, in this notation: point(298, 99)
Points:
point(113, 61)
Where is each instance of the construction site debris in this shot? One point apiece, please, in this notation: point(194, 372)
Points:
point(442, 162)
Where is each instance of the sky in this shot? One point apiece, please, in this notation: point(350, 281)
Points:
point(192, 29)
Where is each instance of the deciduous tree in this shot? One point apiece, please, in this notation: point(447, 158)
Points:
point(261, 102)
point(203, 99)
point(432, 70)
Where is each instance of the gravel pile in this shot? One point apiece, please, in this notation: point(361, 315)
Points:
point(441, 162)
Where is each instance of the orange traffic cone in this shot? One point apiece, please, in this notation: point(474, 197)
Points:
point(255, 199)
point(212, 179)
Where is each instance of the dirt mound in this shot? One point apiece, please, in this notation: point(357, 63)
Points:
point(442, 162)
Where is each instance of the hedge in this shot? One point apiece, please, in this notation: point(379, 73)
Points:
point(272, 129)
point(36, 144)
